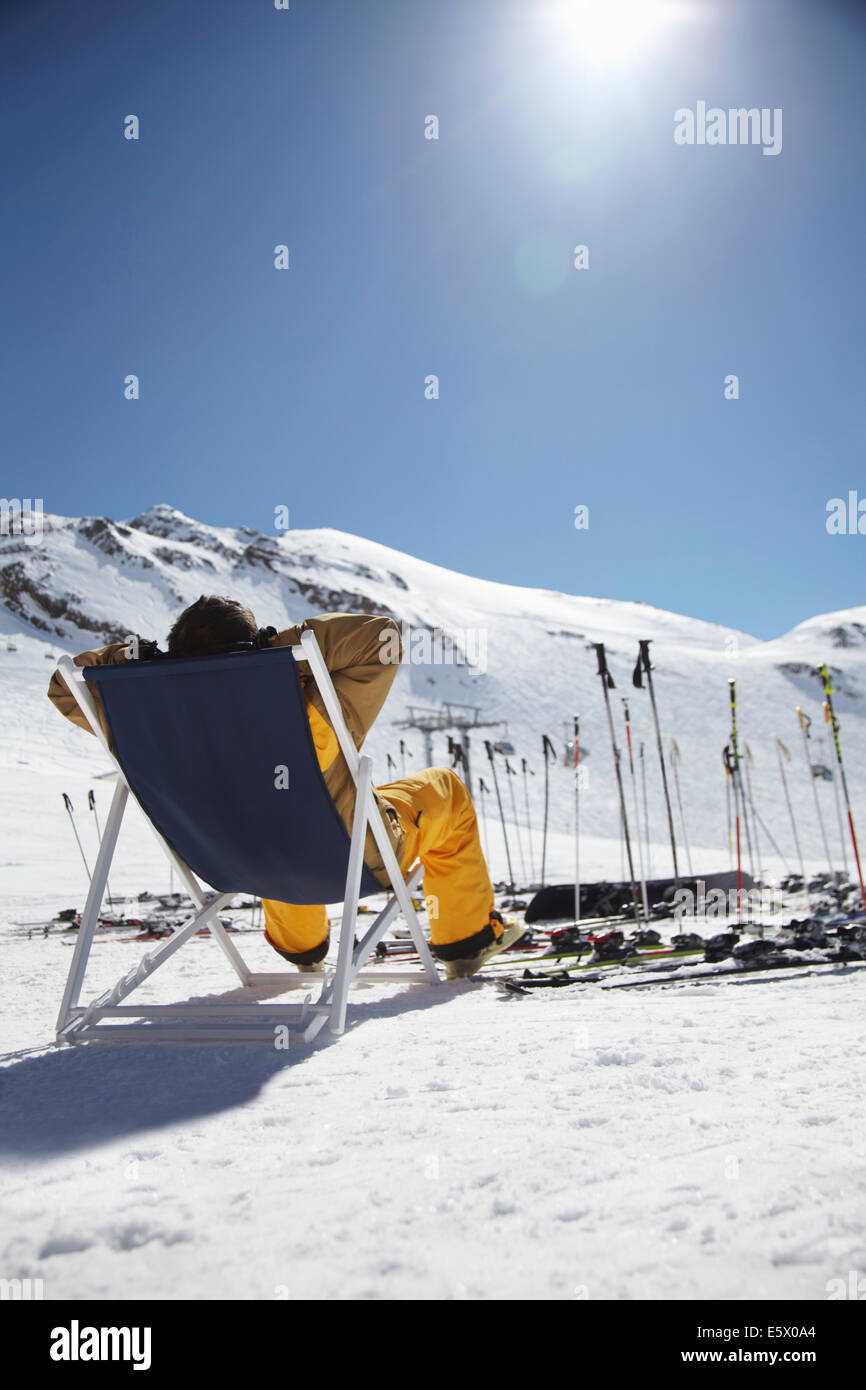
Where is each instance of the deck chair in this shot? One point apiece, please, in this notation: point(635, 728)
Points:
point(218, 753)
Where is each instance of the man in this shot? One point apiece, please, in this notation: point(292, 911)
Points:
point(428, 816)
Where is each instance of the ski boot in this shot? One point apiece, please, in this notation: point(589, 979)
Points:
point(512, 932)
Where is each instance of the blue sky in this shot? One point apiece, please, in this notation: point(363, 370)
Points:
point(558, 387)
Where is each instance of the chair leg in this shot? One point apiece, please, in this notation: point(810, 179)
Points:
point(89, 918)
point(146, 966)
point(398, 883)
point(350, 902)
point(218, 932)
point(374, 934)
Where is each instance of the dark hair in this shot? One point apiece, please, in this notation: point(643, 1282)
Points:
point(211, 624)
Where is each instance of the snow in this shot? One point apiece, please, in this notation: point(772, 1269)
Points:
point(637, 1145)
point(697, 1140)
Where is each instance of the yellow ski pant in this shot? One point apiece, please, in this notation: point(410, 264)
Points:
point(440, 828)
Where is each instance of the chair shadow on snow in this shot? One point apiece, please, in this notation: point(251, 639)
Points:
point(71, 1098)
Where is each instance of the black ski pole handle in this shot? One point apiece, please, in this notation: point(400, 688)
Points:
point(642, 664)
point(602, 666)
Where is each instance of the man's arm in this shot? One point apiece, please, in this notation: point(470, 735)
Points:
point(61, 696)
point(362, 654)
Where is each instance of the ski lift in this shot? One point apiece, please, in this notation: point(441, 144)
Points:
point(505, 747)
point(819, 770)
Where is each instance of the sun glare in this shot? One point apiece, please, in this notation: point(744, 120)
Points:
point(609, 31)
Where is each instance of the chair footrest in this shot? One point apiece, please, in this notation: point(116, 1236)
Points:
point(207, 1032)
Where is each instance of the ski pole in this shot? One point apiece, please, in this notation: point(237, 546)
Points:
point(834, 724)
point(805, 725)
point(510, 772)
point(489, 748)
point(576, 820)
point(780, 750)
point(649, 871)
point(759, 821)
point(482, 788)
point(392, 766)
point(838, 804)
point(739, 783)
point(636, 812)
point(68, 804)
point(548, 751)
point(738, 777)
point(737, 794)
point(527, 773)
point(728, 810)
point(458, 757)
point(403, 755)
point(675, 764)
point(607, 684)
point(91, 801)
point(748, 764)
point(729, 768)
point(643, 665)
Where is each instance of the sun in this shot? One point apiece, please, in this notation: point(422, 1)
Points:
point(608, 31)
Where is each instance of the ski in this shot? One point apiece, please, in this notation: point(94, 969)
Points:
point(742, 970)
point(753, 972)
point(553, 959)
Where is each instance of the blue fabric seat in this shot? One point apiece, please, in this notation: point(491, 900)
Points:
point(205, 744)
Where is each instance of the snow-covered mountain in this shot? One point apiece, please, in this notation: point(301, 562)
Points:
point(90, 580)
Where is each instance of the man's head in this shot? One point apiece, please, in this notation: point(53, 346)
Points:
point(211, 624)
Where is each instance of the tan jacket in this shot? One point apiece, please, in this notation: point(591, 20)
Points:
point(351, 644)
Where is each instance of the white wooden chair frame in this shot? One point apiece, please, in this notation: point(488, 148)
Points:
point(225, 1021)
